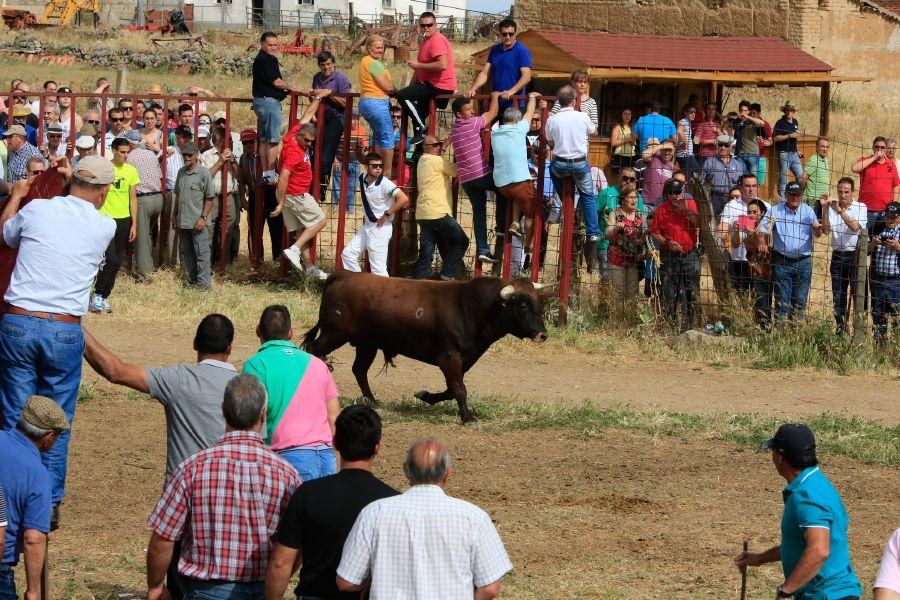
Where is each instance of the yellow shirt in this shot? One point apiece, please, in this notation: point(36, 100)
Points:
point(369, 68)
point(434, 187)
point(118, 199)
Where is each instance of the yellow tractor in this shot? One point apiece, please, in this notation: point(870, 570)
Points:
point(61, 12)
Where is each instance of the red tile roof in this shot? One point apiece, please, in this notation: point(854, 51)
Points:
point(887, 8)
point(683, 53)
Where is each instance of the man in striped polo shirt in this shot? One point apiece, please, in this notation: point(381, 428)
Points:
point(302, 397)
point(473, 169)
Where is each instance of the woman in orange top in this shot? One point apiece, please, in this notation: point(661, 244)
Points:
point(374, 104)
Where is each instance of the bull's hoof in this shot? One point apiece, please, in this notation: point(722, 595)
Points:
point(371, 401)
point(469, 420)
point(426, 397)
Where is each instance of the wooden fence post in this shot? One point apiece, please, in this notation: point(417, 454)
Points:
point(860, 318)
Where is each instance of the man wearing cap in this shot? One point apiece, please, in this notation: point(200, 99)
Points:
point(54, 147)
point(792, 225)
point(20, 151)
point(85, 145)
point(121, 205)
point(885, 272)
point(219, 159)
point(21, 116)
point(28, 491)
point(149, 202)
point(814, 549)
point(785, 134)
point(721, 173)
point(660, 166)
point(193, 197)
point(174, 161)
point(41, 337)
point(879, 183)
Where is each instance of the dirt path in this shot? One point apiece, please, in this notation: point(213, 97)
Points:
point(562, 376)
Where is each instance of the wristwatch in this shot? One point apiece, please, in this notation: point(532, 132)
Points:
point(204, 217)
point(780, 593)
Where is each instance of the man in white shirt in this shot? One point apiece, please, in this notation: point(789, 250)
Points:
point(843, 218)
point(734, 217)
point(423, 543)
point(41, 338)
point(567, 133)
point(381, 200)
point(218, 159)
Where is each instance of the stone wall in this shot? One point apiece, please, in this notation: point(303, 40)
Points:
point(836, 31)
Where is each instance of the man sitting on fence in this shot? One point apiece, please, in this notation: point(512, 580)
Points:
point(792, 225)
point(295, 203)
point(886, 272)
point(843, 219)
point(567, 134)
point(473, 168)
point(434, 75)
point(437, 227)
point(381, 200)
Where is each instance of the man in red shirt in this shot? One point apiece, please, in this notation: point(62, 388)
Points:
point(879, 184)
point(224, 504)
point(296, 205)
point(675, 228)
point(434, 75)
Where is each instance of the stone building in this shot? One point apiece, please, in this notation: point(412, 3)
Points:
point(859, 37)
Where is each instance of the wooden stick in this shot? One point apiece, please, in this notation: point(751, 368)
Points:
point(744, 576)
point(45, 576)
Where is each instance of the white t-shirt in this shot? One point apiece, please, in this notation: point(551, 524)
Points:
point(377, 197)
point(734, 210)
point(569, 130)
point(65, 236)
point(842, 237)
point(889, 573)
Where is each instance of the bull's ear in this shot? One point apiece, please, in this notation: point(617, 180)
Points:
point(507, 292)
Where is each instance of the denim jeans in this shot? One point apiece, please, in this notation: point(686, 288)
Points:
point(679, 280)
point(7, 583)
point(843, 270)
point(43, 357)
point(789, 161)
point(446, 234)
point(311, 462)
point(885, 302)
point(581, 174)
point(762, 304)
point(791, 278)
point(477, 191)
point(224, 590)
point(352, 182)
point(751, 162)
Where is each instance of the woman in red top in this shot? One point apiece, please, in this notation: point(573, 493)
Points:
point(625, 230)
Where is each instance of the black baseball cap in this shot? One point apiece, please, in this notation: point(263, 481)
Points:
point(793, 188)
point(64, 90)
point(792, 439)
point(892, 210)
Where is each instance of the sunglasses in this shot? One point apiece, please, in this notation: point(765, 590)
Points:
point(119, 120)
point(376, 166)
point(54, 135)
point(628, 178)
point(508, 34)
point(93, 122)
point(435, 144)
point(35, 171)
point(309, 140)
point(204, 122)
point(127, 107)
point(880, 147)
point(724, 145)
point(187, 154)
point(426, 25)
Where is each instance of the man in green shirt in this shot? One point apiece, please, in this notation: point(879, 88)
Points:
point(121, 205)
point(816, 178)
point(193, 205)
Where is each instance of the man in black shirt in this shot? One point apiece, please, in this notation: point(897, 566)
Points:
point(321, 513)
point(785, 133)
point(269, 89)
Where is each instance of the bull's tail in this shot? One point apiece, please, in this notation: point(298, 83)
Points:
point(310, 336)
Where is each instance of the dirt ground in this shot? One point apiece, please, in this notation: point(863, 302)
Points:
point(621, 515)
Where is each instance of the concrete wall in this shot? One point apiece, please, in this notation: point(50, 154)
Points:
point(836, 31)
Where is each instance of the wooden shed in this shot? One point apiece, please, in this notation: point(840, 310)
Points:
point(628, 71)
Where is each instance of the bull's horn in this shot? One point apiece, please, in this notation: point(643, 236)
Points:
point(545, 286)
point(508, 292)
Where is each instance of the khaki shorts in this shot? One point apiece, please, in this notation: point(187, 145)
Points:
point(301, 212)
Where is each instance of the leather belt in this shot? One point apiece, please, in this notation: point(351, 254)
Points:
point(15, 310)
point(570, 160)
point(142, 194)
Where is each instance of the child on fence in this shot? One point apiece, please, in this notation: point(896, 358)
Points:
point(381, 199)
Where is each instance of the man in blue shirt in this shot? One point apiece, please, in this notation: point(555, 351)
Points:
point(28, 491)
point(785, 134)
point(654, 125)
point(792, 225)
point(508, 65)
point(814, 552)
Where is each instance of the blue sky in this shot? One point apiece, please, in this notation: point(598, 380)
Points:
point(491, 6)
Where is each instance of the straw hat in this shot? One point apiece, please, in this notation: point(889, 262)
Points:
point(788, 106)
point(653, 146)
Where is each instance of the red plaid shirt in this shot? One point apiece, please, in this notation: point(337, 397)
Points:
point(224, 503)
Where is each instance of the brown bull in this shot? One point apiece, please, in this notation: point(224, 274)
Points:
point(447, 324)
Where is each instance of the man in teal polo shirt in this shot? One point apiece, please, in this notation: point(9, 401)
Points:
point(814, 552)
point(302, 401)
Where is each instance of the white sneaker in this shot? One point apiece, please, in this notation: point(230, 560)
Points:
point(293, 256)
point(96, 303)
point(317, 273)
point(106, 306)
